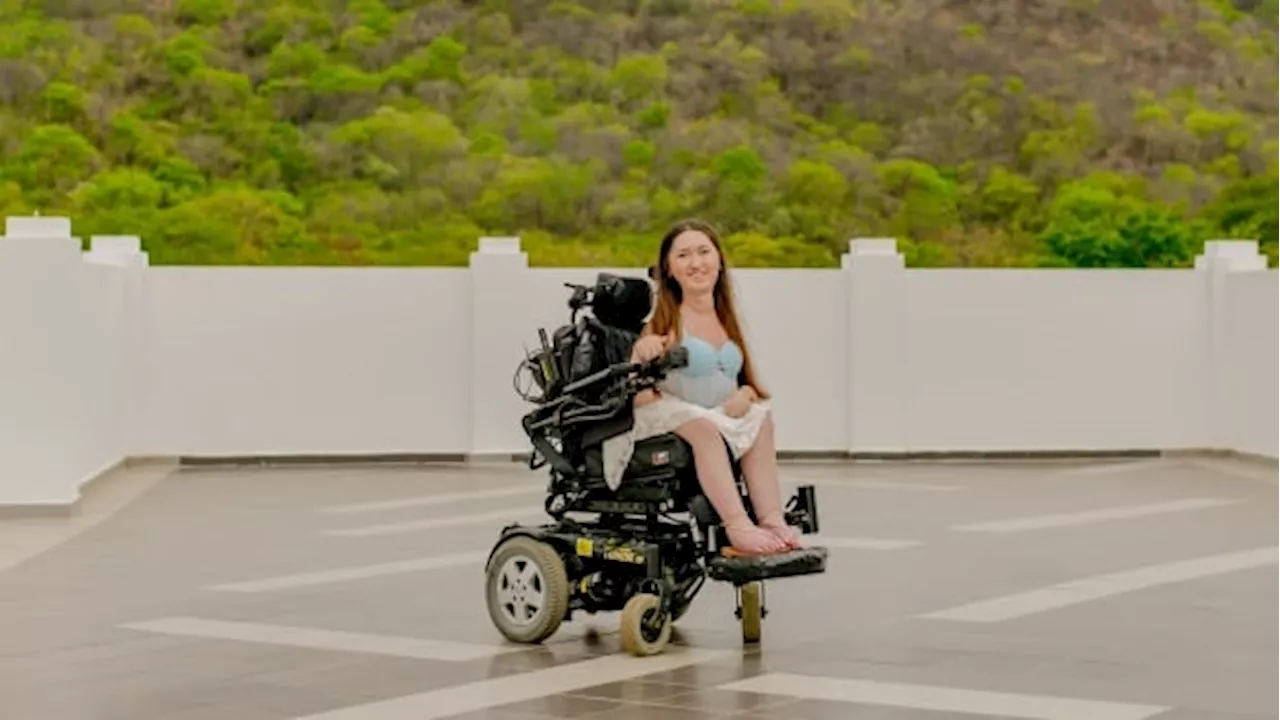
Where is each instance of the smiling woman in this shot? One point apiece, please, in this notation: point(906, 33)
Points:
point(716, 401)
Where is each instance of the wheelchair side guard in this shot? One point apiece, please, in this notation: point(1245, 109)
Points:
point(703, 512)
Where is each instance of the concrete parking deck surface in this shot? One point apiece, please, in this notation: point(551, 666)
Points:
point(1115, 590)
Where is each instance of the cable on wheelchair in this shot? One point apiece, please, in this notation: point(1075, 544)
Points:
point(531, 364)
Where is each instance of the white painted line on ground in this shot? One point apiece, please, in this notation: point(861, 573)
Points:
point(942, 699)
point(858, 543)
point(1043, 522)
point(494, 692)
point(904, 485)
point(320, 639)
point(436, 499)
point(357, 572)
point(524, 512)
point(1065, 594)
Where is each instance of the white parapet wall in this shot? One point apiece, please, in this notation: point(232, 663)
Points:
point(71, 330)
point(104, 358)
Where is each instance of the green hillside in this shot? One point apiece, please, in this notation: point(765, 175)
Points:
point(980, 132)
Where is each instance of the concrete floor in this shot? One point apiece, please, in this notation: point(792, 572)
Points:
point(1100, 591)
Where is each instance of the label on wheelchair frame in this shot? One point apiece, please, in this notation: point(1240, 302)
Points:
point(586, 547)
point(622, 553)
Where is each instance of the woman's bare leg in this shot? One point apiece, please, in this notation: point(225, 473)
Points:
point(715, 475)
point(760, 466)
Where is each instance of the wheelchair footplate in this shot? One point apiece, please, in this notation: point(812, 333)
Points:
point(743, 569)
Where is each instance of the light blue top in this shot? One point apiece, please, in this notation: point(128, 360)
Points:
point(711, 377)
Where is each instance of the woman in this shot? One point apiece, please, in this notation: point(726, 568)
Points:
point(717, 399)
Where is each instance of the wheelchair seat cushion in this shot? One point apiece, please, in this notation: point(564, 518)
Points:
point(660, 454)
point(664, 455)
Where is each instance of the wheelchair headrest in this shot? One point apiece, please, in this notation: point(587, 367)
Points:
point(622, 302)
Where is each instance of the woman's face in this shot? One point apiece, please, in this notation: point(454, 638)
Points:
point(694, 262)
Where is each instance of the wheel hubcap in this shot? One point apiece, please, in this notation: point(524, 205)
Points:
point(522, 590)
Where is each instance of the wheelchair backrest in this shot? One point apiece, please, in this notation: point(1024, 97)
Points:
point(618, 308)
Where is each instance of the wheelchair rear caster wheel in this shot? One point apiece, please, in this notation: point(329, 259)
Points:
point(645, 628)
point(751, 611)
point(527, 590)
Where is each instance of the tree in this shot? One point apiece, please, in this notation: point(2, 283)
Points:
point(1092, 226)
point(386, 131)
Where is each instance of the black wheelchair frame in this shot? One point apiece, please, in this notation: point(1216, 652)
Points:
point(645, 549)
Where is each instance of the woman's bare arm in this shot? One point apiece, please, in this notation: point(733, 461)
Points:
point(645, 397)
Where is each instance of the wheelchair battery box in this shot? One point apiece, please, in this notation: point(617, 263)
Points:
point(646, 557)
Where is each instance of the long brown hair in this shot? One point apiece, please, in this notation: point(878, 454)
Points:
point(666, 313)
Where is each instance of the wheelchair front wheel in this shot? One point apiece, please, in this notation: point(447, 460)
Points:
point(645, 628)
point(527, 590)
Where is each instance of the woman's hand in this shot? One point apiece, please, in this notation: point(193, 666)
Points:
point(650, 347)
point(740, 402)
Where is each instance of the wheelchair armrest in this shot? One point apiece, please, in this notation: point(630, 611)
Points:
point(561, 414)
point(571, 408)
point(594, 413)
point(673, 359)
point(653, 369)
point(613, 372)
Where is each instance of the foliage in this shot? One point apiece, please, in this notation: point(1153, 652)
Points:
point(993, 133)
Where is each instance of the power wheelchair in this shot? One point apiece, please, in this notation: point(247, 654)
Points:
point(648, 547)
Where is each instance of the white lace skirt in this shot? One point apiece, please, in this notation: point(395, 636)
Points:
point(669, 413)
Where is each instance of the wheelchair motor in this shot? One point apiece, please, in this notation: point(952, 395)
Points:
point(645, 549)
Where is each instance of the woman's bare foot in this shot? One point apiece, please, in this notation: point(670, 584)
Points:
point(786, 535)
point(747, 539)
point(778, 527)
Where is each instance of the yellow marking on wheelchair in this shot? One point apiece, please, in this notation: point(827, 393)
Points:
point(585, 547)
point(624, 554)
